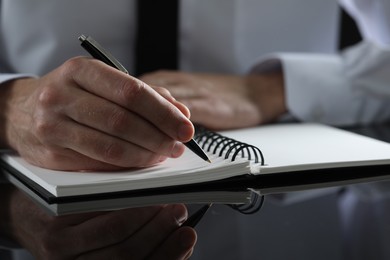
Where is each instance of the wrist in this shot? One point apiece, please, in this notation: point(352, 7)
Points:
point(13, 95)
point(267, 93)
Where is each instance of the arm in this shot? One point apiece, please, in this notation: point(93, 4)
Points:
point(220, 101)
point(339, 89)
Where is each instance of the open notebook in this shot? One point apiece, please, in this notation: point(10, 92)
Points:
point(268, 159)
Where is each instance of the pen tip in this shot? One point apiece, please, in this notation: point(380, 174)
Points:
point(208, 160)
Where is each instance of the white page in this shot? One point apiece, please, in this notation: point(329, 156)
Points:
point(189, 168)
point(290, 147)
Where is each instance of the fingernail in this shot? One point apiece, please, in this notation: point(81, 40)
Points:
point(180, 213)
point(177, 150)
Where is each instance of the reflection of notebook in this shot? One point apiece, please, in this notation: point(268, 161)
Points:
point(118, 201)
point(296, 156)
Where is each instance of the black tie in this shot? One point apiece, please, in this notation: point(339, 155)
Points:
point(156, 46)
point(349, 33)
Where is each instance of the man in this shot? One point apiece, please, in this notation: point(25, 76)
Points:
point(117, 121)
point(291, 54)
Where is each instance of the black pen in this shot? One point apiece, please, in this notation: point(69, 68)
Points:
point(194, 219)
point(98, 52)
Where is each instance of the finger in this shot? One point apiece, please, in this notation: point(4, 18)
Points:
point(147, 238)
point(189, 254)
point(180, 84)
point(220, 114)
point(78, 219)
point(116, 121)
point(165, 77)
point(181, 92)
point(183, 108)
point(131, 93)
point(159, 229)
point(167, 95)
point(101, 147)
point(69, 160)
point(109, 229)
point(178, 246)
point(211, 114)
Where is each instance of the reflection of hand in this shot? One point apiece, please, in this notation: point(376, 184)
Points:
point(124, 234)
point(225, 101)
point(87, 115)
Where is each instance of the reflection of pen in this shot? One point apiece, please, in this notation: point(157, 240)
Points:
point(98, 52)
point(194, 219)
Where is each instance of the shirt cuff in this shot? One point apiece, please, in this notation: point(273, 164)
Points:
point(10, 76)
point(306, 89)
point(332, 89)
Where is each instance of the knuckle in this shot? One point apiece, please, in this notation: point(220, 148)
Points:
point(113, 152)
point(163, 91)
point(117, 120)
point(132, 90)
point(43, 127)
point(72, 65)
point(164, 145)
point(144, 159)
point(48, 97)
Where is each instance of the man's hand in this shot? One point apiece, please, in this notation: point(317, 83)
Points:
point(225, 101)
point(152, 232)
point(86, 115)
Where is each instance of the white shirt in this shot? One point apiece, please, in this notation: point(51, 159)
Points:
point(227, 36)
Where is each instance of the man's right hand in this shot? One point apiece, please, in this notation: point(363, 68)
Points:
point(86, 115)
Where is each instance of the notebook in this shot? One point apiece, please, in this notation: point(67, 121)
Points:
point(114, 201)
point(265, 159)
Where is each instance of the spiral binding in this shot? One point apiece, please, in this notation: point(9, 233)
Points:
point(254, 206)
point(218, 144)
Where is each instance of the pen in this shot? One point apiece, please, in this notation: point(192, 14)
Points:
point(98, 52)
point(194, 219)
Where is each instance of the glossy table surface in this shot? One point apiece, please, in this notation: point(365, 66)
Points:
point(351, 222)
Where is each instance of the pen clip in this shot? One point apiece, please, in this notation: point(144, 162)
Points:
point(98, 52)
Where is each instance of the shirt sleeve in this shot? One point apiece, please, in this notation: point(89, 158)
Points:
point(351, 87)
point(4, 77)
